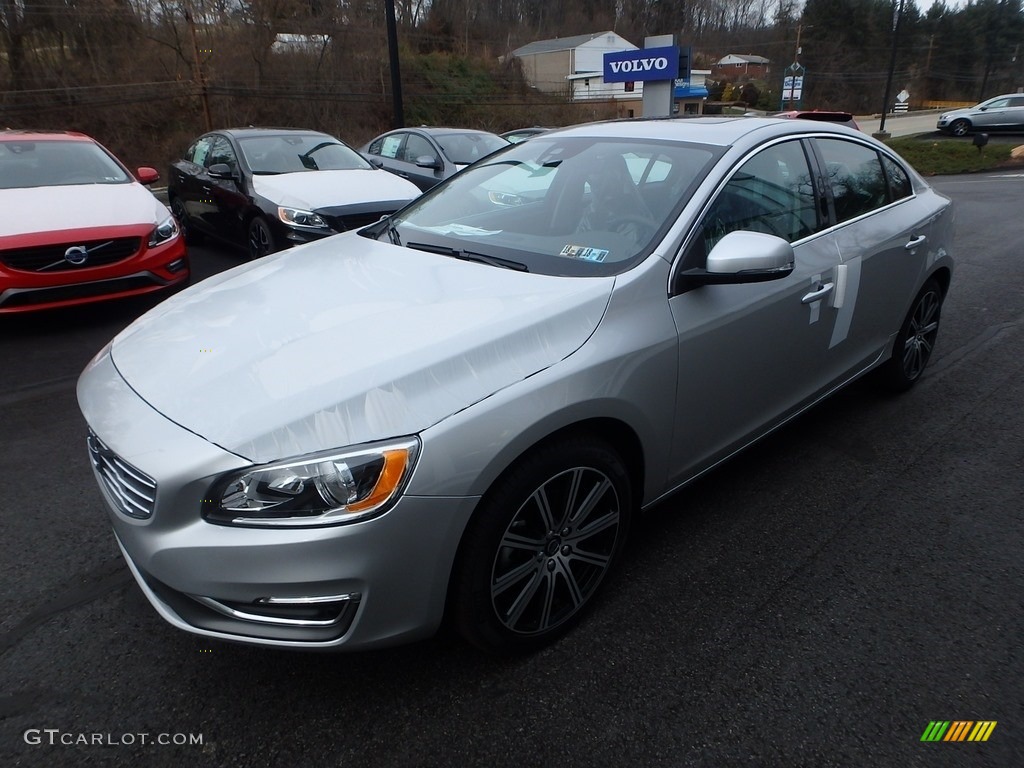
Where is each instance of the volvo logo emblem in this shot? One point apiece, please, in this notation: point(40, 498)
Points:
point(76, 254)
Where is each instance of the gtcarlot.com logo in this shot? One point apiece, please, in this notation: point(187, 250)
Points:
point(55, 737)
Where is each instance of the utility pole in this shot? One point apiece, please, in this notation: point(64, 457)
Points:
point(197, 71)
point(398, 118)
point(795, 68)
point(882, 134)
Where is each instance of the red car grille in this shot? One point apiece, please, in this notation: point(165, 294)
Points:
point(67, 256)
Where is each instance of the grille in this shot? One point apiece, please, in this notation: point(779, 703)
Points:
point(342, 218)
point(31, 296)
point(51, 258)
point(132, 491)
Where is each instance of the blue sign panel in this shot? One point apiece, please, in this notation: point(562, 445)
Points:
point(644, 64)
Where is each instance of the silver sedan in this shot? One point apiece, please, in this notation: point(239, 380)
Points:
point(1002, 113)
point(458, 413)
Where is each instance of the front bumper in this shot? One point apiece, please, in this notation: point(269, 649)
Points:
point(366, 584)
point(149, 270)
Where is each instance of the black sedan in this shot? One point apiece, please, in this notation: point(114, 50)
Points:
point(426, 156)
point(269, 188)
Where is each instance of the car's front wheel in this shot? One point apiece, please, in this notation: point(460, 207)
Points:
point(960, 127)
point(261, 239)
point(915, 340)
point(541, 544)
point(189, 232)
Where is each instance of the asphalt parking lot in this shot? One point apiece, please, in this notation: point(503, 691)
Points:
point(819, 601)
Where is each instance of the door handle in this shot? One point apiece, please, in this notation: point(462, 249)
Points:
point(914, 242)
point(823, 290)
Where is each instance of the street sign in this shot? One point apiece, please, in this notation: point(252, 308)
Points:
point(902, 102)
point(793, 86)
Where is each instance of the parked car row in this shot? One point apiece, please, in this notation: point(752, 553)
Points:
point(78, 227)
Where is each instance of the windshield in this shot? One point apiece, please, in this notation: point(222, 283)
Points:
point(558, 206)
point(57, 163)
point(466, 148)
point(296, 153)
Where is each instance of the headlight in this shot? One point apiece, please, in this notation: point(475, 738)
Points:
point(166, 230)
point(296, 217)
point(320, 489)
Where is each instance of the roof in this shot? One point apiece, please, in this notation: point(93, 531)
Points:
point(249, 131)
point(434, 130)
point(716, 131)
point(559, 43)
point(747, 57)
point(26, 135)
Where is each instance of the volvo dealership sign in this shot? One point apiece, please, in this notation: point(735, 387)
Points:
point(642, 64)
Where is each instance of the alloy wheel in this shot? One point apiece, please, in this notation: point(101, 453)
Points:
point(555, 551)
point(920, 341)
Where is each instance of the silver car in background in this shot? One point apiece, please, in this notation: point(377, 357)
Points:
point(459, 412)
point(1002, 113)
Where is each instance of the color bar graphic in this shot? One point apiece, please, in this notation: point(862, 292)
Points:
point(958, 730)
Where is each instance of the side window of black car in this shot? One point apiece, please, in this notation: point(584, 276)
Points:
point(198, 152)
point(222, 153)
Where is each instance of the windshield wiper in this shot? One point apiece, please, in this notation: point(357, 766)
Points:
point(392, 231)
point(464, 255)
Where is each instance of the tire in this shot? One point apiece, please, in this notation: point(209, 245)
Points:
point(541, 544)
point(260, 240)
point(915, 341)
point(960, 127)
point(192, 237)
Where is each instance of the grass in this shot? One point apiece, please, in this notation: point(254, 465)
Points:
point(932, 157)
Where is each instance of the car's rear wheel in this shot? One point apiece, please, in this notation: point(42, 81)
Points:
point(541, 545)
point(189, 232)
point(960, 127)
point(915, 341)
point(261, 239)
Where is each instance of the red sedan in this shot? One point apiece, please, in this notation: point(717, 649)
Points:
point(77, 227)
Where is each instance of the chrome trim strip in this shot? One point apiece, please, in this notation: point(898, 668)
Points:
point(260, 619)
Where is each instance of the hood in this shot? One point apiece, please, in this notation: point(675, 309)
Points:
point(80, 206)
point(345, 341)
point(326, 189)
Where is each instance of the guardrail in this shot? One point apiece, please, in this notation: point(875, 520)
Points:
point(944, 104)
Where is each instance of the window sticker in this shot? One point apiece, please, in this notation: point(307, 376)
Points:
point(584, 253)
point(390, 148)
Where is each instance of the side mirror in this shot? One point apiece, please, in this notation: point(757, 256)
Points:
point(428, 161)
point(743, 257)
point(147, 175)
point(221, 171)
point(373, 160)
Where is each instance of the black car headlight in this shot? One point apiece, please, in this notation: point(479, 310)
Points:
point(166, 230)
point(326, 488)
point(296, 217)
